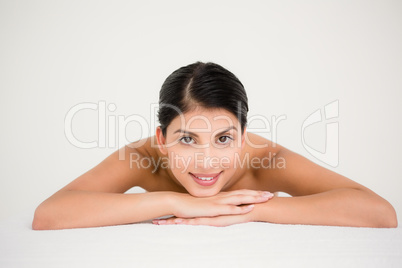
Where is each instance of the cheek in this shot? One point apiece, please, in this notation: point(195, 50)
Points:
point(180, 160)
point(229, 157)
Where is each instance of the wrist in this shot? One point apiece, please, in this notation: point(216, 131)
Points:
point(260, 212)
point(173, 201)
point(253, 214)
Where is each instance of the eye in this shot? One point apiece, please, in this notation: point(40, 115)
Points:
point(224, 139)
point(187, 140)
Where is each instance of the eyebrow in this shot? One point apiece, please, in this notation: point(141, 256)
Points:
point(195, 135)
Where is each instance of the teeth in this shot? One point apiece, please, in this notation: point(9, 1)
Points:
point(205, 178)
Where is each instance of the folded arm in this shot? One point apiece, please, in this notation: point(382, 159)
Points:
point(97, 198)
point(320, 196)
point(338, 207)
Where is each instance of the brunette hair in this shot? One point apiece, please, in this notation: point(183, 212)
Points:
point(208, 85)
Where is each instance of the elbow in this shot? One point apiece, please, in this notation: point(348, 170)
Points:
point(392, 220)
point(386, 216)
point(38, 220)
point(378, 212)
point(41, 220)
point(37, 225)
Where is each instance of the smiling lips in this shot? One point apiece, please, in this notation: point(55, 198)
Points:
point(205, 179)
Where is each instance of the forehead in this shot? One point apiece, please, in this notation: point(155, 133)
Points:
point(204, 118)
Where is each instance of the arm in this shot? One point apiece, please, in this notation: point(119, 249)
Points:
point(339, 207)
point(78, 209)
point(320, 196)
point(97, 198)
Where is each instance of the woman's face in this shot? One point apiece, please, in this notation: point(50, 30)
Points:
point(203, 147)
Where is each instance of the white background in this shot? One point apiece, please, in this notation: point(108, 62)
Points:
point(293, 57)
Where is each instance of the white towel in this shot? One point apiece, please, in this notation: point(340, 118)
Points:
point(242, 245)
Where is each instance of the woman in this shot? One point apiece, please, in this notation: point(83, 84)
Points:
point(202, 167)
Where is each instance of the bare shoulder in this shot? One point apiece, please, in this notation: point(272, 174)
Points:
point(118, 172)
point(290, 172)
point(258, 146)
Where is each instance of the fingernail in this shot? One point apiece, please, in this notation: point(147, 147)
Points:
point(267, 194)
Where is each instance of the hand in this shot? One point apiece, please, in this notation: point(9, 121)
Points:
point(218, 221)
point(224, 203)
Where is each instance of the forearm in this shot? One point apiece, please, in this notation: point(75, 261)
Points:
point(78, 209)
point(339, 207)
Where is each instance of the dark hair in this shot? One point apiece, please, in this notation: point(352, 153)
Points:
point(208, 85)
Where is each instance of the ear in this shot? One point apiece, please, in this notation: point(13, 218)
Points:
point(243, 138)
point(161, 140)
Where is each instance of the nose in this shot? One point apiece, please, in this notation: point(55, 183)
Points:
point(205, 158)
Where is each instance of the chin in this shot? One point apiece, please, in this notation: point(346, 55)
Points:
point(203, 192)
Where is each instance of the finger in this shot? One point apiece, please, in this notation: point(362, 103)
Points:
point(218, 221)
point(233, 210)
point(243, 192)
point(240, 199)
point(166, 221)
